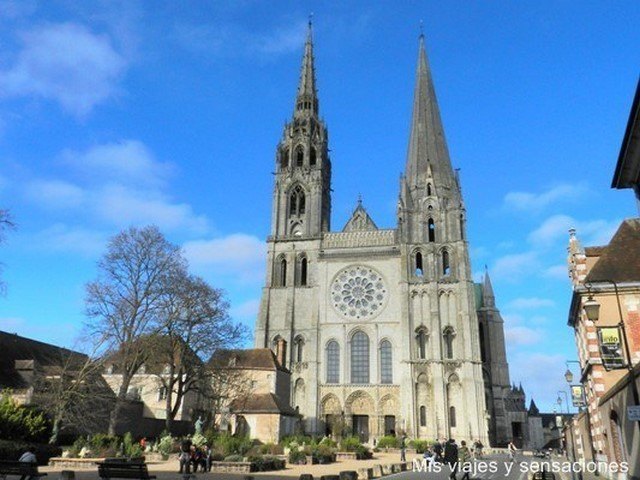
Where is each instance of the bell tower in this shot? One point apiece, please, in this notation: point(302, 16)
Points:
point(301, 197)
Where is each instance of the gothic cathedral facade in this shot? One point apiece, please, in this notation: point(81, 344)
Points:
point(383, 330)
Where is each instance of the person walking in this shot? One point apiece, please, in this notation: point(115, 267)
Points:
point(185, 456)
point(437, 451)
point(511, 448)
point(403, 448)
point(451, 457)
point(477, 449)
point(464, 460)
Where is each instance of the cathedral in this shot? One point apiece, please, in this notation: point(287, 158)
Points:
point(383, 329)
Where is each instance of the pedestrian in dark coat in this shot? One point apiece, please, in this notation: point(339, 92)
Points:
point(451, 457)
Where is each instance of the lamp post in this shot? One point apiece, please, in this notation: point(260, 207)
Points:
point(569, 378)
point(566, 399)
point(568, 375)
point(592, 311)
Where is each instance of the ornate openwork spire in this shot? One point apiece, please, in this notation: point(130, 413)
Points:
point(307, 98)
point(428, 154)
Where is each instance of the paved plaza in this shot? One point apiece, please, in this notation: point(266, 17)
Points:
point(504, 470)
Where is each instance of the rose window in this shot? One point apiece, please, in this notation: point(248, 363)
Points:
point(358, 293)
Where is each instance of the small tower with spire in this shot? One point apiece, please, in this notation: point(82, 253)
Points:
point(302, 194)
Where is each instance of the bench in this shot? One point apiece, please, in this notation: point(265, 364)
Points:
point(124, 470)
point(19, 469)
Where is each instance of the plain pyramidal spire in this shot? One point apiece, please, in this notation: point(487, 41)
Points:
point(307, 98)
point(428, 153)
point(487, 288)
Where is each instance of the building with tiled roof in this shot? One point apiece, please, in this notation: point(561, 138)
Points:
point(259, 404)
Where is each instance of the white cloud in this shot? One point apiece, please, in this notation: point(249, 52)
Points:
point(63, 238)
point(515, 266)
point(55, 193)
point(239, 256)
point(590, 232)
point(66, 63)
point(119, 183)
point(124, 206)
point(559, 272)
point(126, 161)
point(552, 229)
point(530, 303)
point(521, 335)
point(527, 201)
point(232, 40)
point(539, 372)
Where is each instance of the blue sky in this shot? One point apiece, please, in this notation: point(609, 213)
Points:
point(121, 113)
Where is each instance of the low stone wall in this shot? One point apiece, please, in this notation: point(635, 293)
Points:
point(231, 467)
point(74, 463)
point(346, 456)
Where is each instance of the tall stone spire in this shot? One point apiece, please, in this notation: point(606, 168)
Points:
point(307, 98)
point(428, 155)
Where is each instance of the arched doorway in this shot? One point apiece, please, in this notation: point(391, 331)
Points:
point(360, 407)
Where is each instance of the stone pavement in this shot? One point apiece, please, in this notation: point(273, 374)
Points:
point(169, 470)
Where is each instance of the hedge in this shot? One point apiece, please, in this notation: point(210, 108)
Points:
point(12, 450)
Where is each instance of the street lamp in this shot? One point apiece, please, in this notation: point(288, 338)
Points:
point(592, 311)
point(569, 377)
point(559, 400)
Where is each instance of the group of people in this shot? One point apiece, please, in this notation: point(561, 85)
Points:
point(455, 457)
point(193, 458)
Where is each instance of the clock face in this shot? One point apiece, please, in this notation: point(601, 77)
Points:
point(358, 293)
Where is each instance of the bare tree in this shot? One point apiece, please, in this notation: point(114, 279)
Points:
point(123, 304)
point(194, 325)
point(74, 394)
point(6, 223)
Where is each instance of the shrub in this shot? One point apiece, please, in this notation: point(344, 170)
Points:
point(101, 441)
point(165, 446)
point(421, 446)
point(232, 445)
point(18, 422)
point(297, 457)
point(233, 458)
point(12, 450)
point(298, 439)
point(326, 441)
point(350, 444)
point(324, 453)
point(265, 463)
point(271, 449)
point(198, 439)
point(389, 441)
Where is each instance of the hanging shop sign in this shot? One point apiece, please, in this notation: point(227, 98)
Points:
point(611, 348)
point(577, 396)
